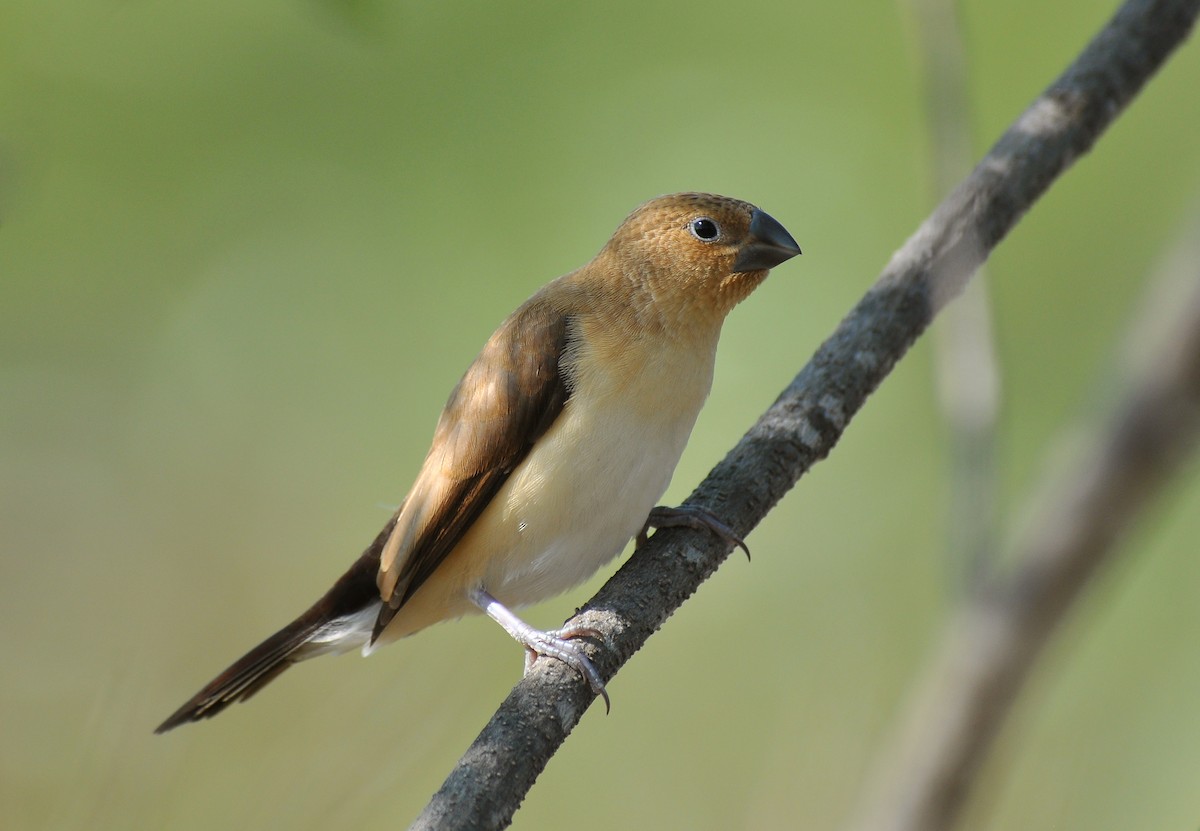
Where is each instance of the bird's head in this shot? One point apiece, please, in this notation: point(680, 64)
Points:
point(698, 250)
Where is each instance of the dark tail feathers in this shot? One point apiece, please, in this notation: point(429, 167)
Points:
point(248, 675)
point(353, 591)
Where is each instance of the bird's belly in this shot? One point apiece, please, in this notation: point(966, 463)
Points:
point(580, 495)
point(585, 488)
point(575, 502)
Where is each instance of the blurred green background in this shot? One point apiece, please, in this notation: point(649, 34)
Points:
point(246, 248)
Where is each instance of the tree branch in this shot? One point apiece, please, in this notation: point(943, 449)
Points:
point(989, 645)
point(967, 371)
point(488, 783)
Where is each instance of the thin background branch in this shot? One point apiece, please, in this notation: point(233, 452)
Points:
point(967, 368)
point(989, 645)
point(488, 783)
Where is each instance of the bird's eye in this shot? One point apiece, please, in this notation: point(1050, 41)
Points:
point(704, 229)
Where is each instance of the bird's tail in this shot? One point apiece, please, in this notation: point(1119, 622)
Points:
point(248, 675)
point(339, 621)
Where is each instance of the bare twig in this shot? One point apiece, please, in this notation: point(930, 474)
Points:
point(967, 371)
point(989, 645)
point(486, 786)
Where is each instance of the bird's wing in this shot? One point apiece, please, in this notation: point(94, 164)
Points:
point(507, 399)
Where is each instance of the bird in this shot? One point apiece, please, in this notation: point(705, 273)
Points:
point(552, 450)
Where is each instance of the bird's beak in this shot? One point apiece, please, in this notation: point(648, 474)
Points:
point(769, 244)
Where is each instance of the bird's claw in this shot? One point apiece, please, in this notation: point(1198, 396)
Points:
point(552, 644)
point(690, 516)
point(556, 644)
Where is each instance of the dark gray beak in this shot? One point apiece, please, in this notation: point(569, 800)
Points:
point(769, 244)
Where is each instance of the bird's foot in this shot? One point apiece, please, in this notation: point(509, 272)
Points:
point(552, 644)
point(557, 644)
point(690, 516)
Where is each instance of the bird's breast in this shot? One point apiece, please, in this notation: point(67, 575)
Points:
point(590, 481)
point(584, 489)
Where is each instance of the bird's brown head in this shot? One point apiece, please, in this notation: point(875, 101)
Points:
point(697, 250)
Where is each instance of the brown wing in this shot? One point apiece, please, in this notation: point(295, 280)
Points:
point(507, 399)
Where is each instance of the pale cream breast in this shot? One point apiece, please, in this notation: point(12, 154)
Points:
point(584, 490)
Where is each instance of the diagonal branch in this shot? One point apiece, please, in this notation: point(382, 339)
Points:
point(488, 783)
point(989, 645)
